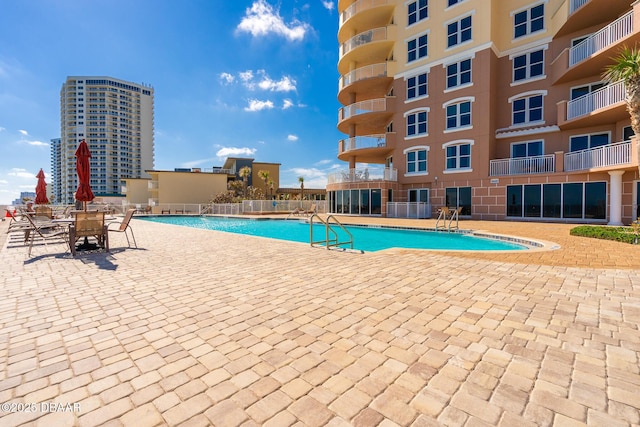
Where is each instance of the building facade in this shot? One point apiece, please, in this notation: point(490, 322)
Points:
point(497, 108)
point(115, 118)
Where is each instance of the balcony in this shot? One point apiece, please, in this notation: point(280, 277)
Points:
point(574, 15)
point(523, 165)
point(368, 47)
point(618, 155)
point(593, 54)
point(363, 175)
point(371, 13)
point(368, 149)
point(605, 105)
point(371, 116)
point(364, 80)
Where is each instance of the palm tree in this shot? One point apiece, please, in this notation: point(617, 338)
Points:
point(264, 175)
point(301, 181)
point(271, 185)
point(627, 68)
point(244, 173)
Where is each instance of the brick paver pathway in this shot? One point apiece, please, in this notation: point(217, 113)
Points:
point(201, 328)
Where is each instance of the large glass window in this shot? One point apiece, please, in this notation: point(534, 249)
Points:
point(417, 86)
point(356, 202)
point(417, 123)
point(569, 200)
point(532, 201)
point(417, 161)
point(459, 197)
point(528, 21)
point(417, 11)
point(417, 48)
point(514, 200)
point(528, 65)
point(376, 201)
point(595, 200)
point(459, 73)
point(527, 109)
point(584, 142)
point(458, 115)
point(459, 32)
point(552, 201)
point(526, 149)
point(419, 195)
point(458, 156)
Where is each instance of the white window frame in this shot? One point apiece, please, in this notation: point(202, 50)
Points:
point(458, 32)
point(589, 135)
point(415, 112)
point(528, 22)
point(418, 19)
point(458, 74)
point(426, 85)
point(458, 102)
point(449, 6)
point(416, 149)
point(418, 191)
point(528, 96)
point(528, 65)
point(457, 144)
point(416, 38)
point(514, 144)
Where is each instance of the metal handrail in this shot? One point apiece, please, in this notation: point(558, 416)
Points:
point(334, 241)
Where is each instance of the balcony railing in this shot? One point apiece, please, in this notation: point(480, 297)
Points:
point(611, 155)
point(362, 107)
point(523, 165)
point(359, 6)
point(362, 175)
point(360, 142)
point(610, 34)
point(363, 73)
point(377, 34)
point(603, 97)
point(577, 4)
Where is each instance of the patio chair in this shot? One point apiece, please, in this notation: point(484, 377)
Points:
point(16, 223)
point(123, 226)
point(44, 230)
point(88, 224)
point(313, 209)
point(44, 212)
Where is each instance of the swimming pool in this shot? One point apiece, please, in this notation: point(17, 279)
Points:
point(368, 239)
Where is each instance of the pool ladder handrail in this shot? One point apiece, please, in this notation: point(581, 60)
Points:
point(334, 241)
point(443, 216)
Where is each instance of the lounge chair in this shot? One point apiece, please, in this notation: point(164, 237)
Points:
point(44, 212)
point(310, 211)
point(46, 231)
point(88, 224)
point(123, 226)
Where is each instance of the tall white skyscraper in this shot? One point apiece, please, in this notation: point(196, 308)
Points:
point(115, 118)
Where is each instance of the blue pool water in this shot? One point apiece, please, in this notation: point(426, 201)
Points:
point(364, 238)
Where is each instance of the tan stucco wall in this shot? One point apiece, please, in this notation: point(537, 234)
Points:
point(188, 187)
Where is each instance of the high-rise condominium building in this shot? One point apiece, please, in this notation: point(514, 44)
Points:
point(494, 107)
point(115, 118)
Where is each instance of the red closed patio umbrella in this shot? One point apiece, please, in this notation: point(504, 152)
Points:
point(41, 189)
point(83, 168)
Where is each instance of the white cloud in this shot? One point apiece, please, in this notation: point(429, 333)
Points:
point(262, 19)
point(23, 132)
point(37, 143)
point(235, 151)
point(287, 103)
point(257, 105)
point(285, 84)
point(328, 4)
point(246, 76)
point(309, 172)
point(323, 162)
point(2, 129)
point(21, 173)
point(292, 138)
point(227, 78)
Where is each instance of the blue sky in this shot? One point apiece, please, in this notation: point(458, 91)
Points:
point(241, 78)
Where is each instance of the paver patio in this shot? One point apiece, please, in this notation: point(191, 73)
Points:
point(206, 328)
